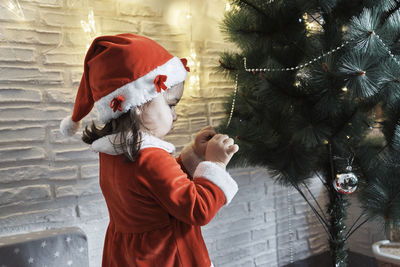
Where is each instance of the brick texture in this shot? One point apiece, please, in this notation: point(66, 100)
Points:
point(47, 181)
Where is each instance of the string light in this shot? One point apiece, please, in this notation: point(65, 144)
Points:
point(193, 62)
point(14, 7)
point(233, 101)
point(296, 67)
point(227, 6)
point(309, 26)
point(387, 49)
point(89, 27)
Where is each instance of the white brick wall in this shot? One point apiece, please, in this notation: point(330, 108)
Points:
point(47, 181)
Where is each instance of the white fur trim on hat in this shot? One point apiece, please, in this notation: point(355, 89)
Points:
point(140, 90)
point(219, 177)
point(68, 127)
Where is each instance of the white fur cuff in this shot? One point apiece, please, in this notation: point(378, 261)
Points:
point(190, 159)
point(219, 177)
point(68, 127)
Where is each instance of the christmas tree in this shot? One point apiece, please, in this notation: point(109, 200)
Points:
point(318, 95)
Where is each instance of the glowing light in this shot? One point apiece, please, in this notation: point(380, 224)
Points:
point(190, 63)
point(193, 53)
point(344, 89)
point(227, 7)
point(312, 26)
point(326, 142)
point(297, 83)
point(14, 7)
point(348, 136)
point(188, 16)
point(194, 65)
point(89, 27)
point(85, 26)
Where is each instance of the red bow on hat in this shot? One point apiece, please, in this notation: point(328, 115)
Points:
point(159, 82)
point(184, 62)
point(116, 103)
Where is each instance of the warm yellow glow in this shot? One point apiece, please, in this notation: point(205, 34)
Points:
point(344, 89)
point(312, 26)
point(190, 63)
point(91, 21)
point(347, 136)
point(193, 82)
point(297, 83)
point(188, 16)
point(14, 7)
point(89, 27)
point(192, 57)
point(193, 53)
point(326, 142)
point(194, 65)
point(229, 7)
point(85, 26)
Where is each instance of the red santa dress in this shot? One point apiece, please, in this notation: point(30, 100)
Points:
point(156, 208)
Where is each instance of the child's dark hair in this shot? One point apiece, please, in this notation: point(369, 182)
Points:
point(126, 123)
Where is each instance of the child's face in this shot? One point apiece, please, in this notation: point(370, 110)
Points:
point(158, 115)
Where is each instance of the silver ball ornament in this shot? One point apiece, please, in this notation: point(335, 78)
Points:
point(345, 183)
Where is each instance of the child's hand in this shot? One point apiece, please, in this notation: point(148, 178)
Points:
point(201, 140)
point(220, 149)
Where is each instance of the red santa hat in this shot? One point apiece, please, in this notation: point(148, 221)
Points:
point(121, 72)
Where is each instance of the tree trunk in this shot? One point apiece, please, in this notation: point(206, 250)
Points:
point(337, 215)
point(337, 227)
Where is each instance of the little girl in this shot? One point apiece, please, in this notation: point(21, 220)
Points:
point(156, 203)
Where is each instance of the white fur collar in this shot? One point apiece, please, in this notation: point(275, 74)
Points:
point(105, 144)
